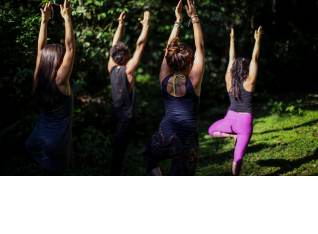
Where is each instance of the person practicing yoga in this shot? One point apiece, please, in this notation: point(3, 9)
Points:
point(123, 109)
point(50, 143)
point(180, 79)
point(240, 83)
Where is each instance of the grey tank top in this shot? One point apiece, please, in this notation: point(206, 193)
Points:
point(50, 143)
point(244, 103)
point(121, 98)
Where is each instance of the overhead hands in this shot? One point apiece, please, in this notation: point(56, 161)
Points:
point(258, 33)
point(46, 12)
point(192, 12)
point(121, 18)
point(146, 20)
point(178, 12)
point(65, 9)
point(232, 35)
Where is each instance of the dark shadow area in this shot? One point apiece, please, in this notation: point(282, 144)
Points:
point(220, 158)
point(287, 165)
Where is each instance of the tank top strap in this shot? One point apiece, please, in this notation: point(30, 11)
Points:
point(164, 82)
point(189, 86)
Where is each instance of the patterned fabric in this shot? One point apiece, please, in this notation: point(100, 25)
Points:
point(177, 135)
point(169, 143)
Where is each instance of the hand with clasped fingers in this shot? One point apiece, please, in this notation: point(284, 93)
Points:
point(46, 12)
point(65, 10)
point(258, 34)
point(191, 9)
point(146, 20)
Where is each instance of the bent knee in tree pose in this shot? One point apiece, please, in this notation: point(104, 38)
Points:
point(123, 109)
point(240, 81)
point(180, 79)
point(50, 143)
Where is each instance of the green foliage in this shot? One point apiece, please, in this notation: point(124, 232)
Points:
point(295, 106)
point(276, 107)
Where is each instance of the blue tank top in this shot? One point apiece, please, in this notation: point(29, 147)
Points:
point(181, 112)
point(51, 140)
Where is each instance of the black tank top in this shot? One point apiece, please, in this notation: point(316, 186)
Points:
point(244, 102)
point(121, 98)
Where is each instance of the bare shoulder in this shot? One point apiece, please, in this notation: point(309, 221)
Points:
point(248, 84)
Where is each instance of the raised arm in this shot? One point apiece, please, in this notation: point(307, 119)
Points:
point(165, 69)
point(197, 71)
point(232, 58)
point(254, 63)
point(65, 70)
point(132, 64)
point(117, 38)
point(42, 41)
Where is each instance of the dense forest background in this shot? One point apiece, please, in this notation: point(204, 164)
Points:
point(286, 68)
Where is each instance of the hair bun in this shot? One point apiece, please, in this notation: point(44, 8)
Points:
point(178, 56)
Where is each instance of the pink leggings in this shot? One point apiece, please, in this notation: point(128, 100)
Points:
point(240, 124)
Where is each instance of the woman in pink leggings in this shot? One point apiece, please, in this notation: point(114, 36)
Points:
point(240, 83)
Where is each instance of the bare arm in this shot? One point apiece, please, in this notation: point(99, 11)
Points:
point(254, 63)
point(117, 38)
point(232, 57)
point(197, 71)
point(65, 70)
point(165, 69)
point(133, 63)
point(42, 41)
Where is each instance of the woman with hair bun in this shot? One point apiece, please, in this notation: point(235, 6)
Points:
point(50, 143)
point(180, 79)
point(123, 109)
point(240, 81)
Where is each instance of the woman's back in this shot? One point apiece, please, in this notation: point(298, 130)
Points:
point(181, 111)
point(245, 101)
point(51, 140)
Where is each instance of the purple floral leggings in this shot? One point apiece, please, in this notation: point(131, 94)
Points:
point(240, 124)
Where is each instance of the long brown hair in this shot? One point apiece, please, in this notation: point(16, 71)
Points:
point(239, 72)
point(44, 85)
point(179, 56)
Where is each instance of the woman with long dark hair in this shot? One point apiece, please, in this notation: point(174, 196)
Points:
point(180, 80)
point(50, 143)
point(240, 81)
point(122, 76)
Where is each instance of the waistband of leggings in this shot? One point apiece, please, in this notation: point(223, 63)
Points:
point(237, 115)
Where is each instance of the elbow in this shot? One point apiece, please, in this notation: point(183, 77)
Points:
point(131, 82)
point(140, 44)
point(71, 49)
point(255, 58)
point(201, 47)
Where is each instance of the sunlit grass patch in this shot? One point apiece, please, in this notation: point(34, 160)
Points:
point(280, 145)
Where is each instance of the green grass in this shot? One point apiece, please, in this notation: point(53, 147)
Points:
point(280, 145)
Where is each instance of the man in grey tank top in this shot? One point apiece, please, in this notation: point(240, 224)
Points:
point(123, 109)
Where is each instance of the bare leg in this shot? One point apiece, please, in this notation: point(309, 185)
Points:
point(236, 168)
point(156, 171)
point(217, 134)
